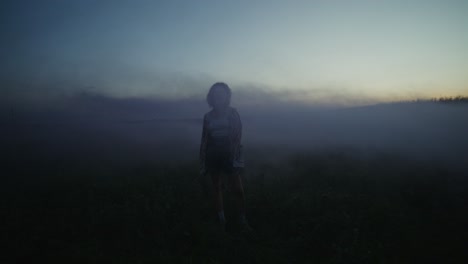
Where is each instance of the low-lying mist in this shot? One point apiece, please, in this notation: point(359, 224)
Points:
point(95, 126)
point(94, 177)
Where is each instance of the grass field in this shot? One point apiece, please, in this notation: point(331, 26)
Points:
point(322, 207)
point(375, 184)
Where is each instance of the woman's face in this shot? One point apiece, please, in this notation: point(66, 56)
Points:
point(219, 97)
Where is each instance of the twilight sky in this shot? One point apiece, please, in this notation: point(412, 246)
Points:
point(384, 50)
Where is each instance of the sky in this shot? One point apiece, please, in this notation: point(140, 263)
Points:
point(308, 50)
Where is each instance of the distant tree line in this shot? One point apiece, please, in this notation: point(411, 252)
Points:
point(456, 99)
point(446, 100)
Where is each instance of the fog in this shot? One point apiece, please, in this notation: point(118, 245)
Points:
point(93, 126)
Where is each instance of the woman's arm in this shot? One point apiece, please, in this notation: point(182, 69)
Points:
point(204, 139)
point(236, 135)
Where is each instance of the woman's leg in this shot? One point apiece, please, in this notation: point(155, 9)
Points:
point(218, 194)
point(238, 190)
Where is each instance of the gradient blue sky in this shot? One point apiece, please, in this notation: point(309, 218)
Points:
point(377, 49)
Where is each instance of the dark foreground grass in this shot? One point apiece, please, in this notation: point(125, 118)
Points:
point(327, 207)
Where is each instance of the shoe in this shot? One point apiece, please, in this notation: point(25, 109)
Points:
point(222, 226)
point(217, 231)
point(245, 228)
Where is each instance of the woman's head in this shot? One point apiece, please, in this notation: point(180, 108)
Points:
point(219, 95)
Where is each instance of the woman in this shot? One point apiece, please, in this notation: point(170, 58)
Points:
point(221, 149)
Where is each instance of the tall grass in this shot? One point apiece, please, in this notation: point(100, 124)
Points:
point(325, 207)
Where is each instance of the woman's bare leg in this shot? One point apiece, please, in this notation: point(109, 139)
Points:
point(217, 192)
point(238, 190)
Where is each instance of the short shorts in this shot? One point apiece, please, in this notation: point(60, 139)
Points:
point(219, 163)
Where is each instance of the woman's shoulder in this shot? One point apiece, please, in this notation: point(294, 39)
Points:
point(234, 113)
point(208, 114)
point(233, 110)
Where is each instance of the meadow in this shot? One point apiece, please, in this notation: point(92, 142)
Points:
point(77, 199)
